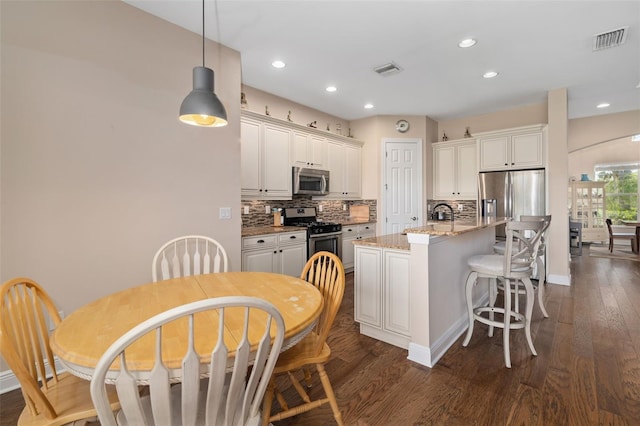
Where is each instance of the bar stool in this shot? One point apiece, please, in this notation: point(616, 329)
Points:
point(514, 266)
point(540, 267)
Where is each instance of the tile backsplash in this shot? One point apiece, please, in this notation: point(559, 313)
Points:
point(332, 210)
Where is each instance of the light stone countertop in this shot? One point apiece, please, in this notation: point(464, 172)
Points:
point(270, 229)
point(391, 241)
point(456, 227)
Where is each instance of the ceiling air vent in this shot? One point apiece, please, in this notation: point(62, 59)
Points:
point(609, 39)
point(388, 69)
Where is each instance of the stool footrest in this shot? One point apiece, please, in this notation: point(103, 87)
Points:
point(518, 317)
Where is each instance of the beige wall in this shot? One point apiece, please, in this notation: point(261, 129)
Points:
point(279, 108)
point(515, 117)
point(617, 151)
point(97, 171)
point(588, 131)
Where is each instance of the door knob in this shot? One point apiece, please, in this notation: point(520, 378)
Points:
point(414, 218)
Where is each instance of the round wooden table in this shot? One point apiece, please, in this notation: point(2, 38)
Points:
point(81, 338)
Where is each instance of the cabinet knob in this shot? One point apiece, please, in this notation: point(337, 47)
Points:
point(513, 164)
point(260, 190)
point(413, 218)
point(266, 190)
point(506, 164)
point(275, 252)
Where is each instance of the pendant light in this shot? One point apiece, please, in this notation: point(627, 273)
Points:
point(202, 107)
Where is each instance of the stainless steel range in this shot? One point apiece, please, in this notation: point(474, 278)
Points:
point(321, 236)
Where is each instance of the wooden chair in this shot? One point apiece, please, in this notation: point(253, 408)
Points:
point(540, 267)
point(27, 312)
point(515, 265)
point(189, 255)
point(620, 236)
point(325, 271)
point(238, 377)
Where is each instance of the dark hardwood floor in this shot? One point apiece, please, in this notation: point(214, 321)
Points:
point(587, 371)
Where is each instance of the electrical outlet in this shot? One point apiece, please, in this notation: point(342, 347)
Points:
point(246, 209)
point(319, 207)
point(460, 207)
point(344, 207)
point(267, 209)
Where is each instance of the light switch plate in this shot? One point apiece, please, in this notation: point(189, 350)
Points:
point(460, 207)
point(267, 209)
point(225, 212)
point(319, 207)
point(246, 209)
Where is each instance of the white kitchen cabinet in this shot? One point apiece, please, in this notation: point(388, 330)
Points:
point(521, 148)
point(381, 290)
point(455, 170)
point(351, 233)
point(265, 160)
point(344, 162)
point(308, 150)
point(283, 253)
point(589, 208)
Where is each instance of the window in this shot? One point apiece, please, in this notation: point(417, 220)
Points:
point(622, 193)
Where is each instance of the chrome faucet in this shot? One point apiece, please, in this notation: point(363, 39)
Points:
point(434, 216)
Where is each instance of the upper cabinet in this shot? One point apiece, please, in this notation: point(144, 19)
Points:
point(344, 161)
point(271, 147)
point(308, 150)
point(455, 172)
point(266, 167)
point(521, 148)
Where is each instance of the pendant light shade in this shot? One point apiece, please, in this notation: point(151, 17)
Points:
point(202, 107)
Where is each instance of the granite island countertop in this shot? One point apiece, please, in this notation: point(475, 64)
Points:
point(456, 227)
point(391, 241)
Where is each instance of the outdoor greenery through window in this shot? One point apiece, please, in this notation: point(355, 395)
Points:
point(621, 190)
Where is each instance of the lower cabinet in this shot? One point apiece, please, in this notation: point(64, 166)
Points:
point(351, 233)
point(381, 284)
point(284, 253)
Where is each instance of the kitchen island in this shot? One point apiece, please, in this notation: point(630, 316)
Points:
point(409, 287)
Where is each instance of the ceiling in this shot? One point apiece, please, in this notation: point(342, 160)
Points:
point(535, 46)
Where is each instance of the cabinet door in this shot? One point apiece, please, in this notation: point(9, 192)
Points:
point(292, 259)
point(277, 167)
point(493, 153)
point(260, 261)
point(348, 248)
point(368, 286)
point(353, 171)
point(467, 172)
point(444, 163)
point(316, 147)
point(299, 154)
point(396, 292)
point(526, 150)
point(335, 163)
point(250, 157)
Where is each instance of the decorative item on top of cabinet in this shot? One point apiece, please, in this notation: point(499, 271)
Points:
point(518, 148)
point(289, 117)
point(266, 110)
point(455, 173)
point(444, 137)
point(467, 134)
point(243, 101)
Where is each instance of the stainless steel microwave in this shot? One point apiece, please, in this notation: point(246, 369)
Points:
point(310, 181)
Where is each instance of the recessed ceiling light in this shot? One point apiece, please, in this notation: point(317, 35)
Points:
point(467, 42)
point(603, 105)
point(331, 89)
point(368, 106)
point(490, 74)
point(278, 64)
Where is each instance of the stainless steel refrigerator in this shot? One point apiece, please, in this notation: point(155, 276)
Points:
point(511, 194)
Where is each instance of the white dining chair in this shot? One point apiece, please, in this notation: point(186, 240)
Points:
point(189, 255)
point(237, 375)
point(511, 268)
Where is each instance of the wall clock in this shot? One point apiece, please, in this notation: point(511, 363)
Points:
point(402, 126)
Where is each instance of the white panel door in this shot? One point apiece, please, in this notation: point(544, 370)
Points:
point(250, 156)
point(396, 291)
point(402, 186)
point(444, 178)
point(368, 286)
point(277, 167)
point(467, 171)
point(526, 150)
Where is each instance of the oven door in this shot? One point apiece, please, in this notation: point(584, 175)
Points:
point(326, 242)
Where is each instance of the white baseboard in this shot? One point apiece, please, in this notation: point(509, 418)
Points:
point(559, 279)
point(9, 381)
